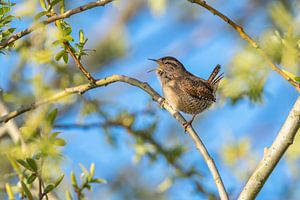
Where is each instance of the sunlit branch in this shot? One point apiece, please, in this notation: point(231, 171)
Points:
point(78, 63)
point(246, 37)
point(155, 96)
point(66, 14)
point(273, 154)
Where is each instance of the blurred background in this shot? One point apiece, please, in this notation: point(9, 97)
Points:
point(137, 147)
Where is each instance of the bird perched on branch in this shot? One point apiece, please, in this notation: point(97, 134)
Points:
point(184, 91)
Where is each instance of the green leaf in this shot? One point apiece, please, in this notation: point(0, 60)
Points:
point(40, 14)
point(55, 134)
point(37, 156)
point(49, 188)
point(89, 187)
point(67, 31)
point(92, 171)
point(60, 54)
point(4, 10)
point(58, 181)
point(31, 178)
point(85, 171)
point(57, 42)
point(165, 185)
point(98, 180)
point(32, 164)
point(51, 116)
point(6, 19)
point(43, 4)
point(69, 38)
point(9, 192)
point(62, 7)
point(81, 36)
point(14, 164)
point(66, 58)
point(26, 191)
point(68, 196)
point(292, 76)
point(11, 30)
point(73, 180)
point(53, 3)
point(8, 32)
point(24, 164)
point(59, 142)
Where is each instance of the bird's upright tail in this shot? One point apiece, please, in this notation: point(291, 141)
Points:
point(214, 78)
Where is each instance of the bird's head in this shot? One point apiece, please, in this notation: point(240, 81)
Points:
point(168, 66)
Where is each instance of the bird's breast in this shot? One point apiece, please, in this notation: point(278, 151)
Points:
point(181, 101)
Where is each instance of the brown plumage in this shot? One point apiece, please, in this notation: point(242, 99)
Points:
point(184, 91)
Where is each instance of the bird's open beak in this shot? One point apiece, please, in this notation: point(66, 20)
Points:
point(157, 68)
point(153, 60)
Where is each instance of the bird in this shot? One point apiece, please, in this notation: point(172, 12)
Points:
point(184, 91)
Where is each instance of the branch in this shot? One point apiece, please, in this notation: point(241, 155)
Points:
point(66, 14)
point(79, 65)
point(246, 37)
point(273, 154)
point(155, 96)
point(147, 138)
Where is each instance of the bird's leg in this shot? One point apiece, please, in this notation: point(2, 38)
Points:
point(189, 123)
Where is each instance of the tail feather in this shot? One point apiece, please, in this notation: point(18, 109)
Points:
point(214, 78)
point(214, 73)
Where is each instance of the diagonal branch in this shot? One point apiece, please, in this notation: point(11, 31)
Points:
point(155, 96)
point(273, 154)
point(78, 63)
point(189, 173)
point(246, 37)
point(66, 14)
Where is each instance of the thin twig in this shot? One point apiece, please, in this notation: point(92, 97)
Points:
point(78, 63)
point(155, 96)
point(273, 154)
point(246, 37)
point(66, 14)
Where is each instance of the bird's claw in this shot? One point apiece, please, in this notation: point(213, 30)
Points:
point(162, 102)
point(186, 125)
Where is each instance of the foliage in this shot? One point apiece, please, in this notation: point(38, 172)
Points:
point(32, 167)
point(5, 18)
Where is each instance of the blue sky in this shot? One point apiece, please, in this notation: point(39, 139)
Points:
point(200, 44)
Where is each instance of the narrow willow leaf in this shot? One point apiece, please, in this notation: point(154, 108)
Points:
point(53, 3)
point(49, 188)
point(31, 178)
point(40, 14)
point(81, 36)
point(59, 55)
point(4, 10)
point(92, 171)
point(73, 180)
point(69, 38)
point(9, 191)
point(66, 58)
point(85, 171)
point(98, 180)
point(24, 164)
point(51, 116)
point(43, 4)
point(68, 196)
point(58, 181)
point(60, 142)
point(32, 164)
point(26, 191)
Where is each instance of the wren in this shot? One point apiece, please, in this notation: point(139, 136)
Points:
point(184, 91)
